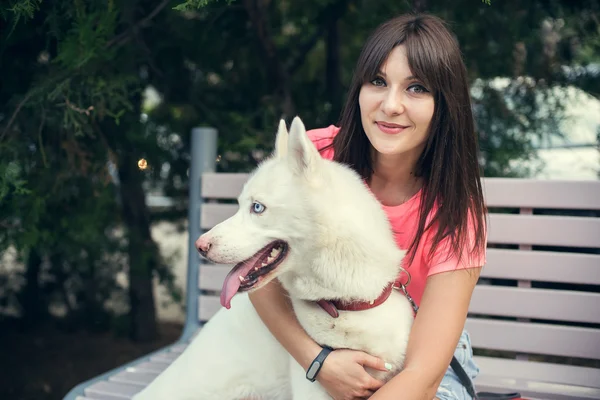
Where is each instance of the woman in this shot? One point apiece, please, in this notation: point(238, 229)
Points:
point(407, 128)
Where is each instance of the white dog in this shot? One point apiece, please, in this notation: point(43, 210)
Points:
point(314, 225)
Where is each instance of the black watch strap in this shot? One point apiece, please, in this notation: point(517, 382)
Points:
point(315, 366)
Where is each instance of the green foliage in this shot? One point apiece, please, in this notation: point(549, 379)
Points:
point(10, 182)
point(88, 38)
point(18, 10)
point(189, 5)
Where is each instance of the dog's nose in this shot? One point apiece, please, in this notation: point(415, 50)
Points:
point(203, 244)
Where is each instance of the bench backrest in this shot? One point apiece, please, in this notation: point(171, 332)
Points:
point(539, 291)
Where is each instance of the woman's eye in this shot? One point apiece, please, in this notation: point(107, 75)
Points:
point(378, 82)
point(257, 208)
point(418, 89)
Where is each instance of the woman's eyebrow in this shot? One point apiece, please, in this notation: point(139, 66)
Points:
point(408, 78)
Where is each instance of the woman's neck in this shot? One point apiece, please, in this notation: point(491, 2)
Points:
point(394, 181)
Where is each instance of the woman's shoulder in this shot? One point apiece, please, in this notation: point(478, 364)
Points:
point(322, 137)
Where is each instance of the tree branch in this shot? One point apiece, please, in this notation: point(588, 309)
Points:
point(120, 39)
point(124, 37)
point(40, 141)
point(14, 115)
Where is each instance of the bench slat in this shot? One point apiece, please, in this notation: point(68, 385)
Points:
point(545, 266)
point(137, 378)
point(549, 304)
point(536, 193)
point(166, 357)
point(535, 390)
point(544, 230)
point(222, 185)
point(212, 276)
point(503, 228)
point(178, 348)
point(105, 390)
point(539, 371)
point(208, 306)
point(542, 266)
point(148, 366)
point(499, 192)
point(501, 335)
point(525, 337)
point(213, 213)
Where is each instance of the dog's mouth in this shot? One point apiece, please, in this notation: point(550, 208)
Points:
point(250, 272)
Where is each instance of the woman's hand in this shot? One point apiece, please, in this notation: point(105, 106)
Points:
point(344, 377)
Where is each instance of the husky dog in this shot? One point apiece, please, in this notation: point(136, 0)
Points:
point(315, 226)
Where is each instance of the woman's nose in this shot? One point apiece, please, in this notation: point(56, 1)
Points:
point(392, 103)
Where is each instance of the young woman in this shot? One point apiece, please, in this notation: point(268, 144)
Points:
point(408, 130)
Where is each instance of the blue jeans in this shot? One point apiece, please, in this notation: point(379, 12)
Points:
point(450, 388)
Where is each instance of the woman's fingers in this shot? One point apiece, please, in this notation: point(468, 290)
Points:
point(373, 362)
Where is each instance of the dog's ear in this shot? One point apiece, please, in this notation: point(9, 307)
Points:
point(281, 140)
point(302, 152)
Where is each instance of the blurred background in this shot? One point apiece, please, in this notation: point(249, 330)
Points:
point(97, 101)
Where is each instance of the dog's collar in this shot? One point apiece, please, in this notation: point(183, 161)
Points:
point(333, 306)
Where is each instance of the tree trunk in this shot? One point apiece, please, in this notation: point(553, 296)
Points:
point(142, 251)
point(33, 307)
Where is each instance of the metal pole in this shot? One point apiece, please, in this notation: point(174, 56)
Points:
point(203, 155)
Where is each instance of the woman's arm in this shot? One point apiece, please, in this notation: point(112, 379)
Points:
point(272, 303)
point(343, 374)
point(434, 335)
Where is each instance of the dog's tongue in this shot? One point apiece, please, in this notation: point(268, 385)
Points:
point(232, 280)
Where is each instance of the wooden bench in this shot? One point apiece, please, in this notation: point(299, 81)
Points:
point(535, 315)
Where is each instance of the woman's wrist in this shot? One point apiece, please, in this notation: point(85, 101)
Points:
point(307, 352)
point(316, 365)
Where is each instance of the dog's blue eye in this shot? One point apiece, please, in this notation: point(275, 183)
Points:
point(257, 208)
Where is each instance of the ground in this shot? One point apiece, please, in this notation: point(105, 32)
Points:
point(46, 363)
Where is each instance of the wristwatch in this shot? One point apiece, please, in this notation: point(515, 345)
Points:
point(315, 366)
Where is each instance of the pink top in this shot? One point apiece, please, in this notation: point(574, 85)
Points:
point(404, 220)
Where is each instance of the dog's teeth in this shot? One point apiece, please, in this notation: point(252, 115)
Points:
point(265, 264)
point(241, 278)
point(270, 259)
point(256, 268)
point(275, 251)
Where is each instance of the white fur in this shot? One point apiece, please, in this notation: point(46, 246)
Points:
point(340, 246)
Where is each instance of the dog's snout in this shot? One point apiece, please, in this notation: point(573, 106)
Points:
point(203, 245)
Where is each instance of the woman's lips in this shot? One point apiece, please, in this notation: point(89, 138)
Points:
point(390, 129)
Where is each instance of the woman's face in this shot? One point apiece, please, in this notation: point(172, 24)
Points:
point(396, 109)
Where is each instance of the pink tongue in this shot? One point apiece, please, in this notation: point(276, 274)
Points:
point(232, 281)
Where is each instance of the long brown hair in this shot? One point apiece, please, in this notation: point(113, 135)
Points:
point(449, 163)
